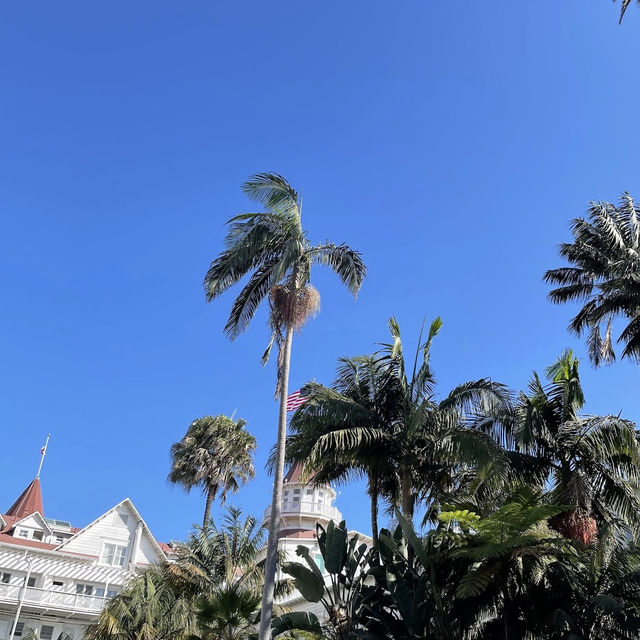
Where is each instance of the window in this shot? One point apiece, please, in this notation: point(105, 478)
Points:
point(23, 533)
point(309, 492)
point(319, 561)
point(59, 539)
point(113, 554)
point(31, 582)
point(37, 535)
point(86, 589)
point(57, 584)
point(110, 592)
point(46, 632)
point(19, 629)
point(5, 578)
point(296, 492)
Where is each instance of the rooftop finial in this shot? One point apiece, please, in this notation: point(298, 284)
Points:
point(43, 453)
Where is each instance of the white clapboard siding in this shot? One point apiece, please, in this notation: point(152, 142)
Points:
point(111, 528)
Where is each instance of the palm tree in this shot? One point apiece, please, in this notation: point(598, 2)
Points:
point(605, 276)
point(215, 454)
point(213, 587)
point(228, 614)
point(589, 463)
point(378, 421)
point(274, 248)
point(215, 556)
point(147, 608)
point(218, 569)
point(597, 595)
point(342, 431)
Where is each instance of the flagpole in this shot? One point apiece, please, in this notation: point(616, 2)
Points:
point(43, 453)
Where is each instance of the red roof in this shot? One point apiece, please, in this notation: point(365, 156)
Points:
point(295, 473)
point(29, 502)
point(21, 542)
point(5, 538)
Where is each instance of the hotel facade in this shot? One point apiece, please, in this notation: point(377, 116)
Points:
point(55, 578)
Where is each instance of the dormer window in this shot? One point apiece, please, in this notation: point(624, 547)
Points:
point(23, 533)
point(37, 535)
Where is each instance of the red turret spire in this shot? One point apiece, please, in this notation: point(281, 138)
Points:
point(29, 502)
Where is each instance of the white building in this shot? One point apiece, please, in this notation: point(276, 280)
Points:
point(56, 578)
point(304, 505)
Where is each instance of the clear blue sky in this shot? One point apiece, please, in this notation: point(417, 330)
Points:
point(450, 142)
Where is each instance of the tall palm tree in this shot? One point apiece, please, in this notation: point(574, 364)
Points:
point(605, 276)
point(387, 424)
point(215, 454)
point(589, 463)
point(436, 440)
point(273, 247)
point(342, 431)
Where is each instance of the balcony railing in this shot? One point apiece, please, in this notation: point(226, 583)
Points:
point(307, 508)
point(52, 599)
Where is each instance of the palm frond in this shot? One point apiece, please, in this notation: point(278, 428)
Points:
point(274, 192)
point(344, 261)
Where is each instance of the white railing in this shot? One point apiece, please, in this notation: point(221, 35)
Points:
point(52, 599)
point(307, 508)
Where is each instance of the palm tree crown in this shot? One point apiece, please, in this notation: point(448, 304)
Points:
point(274, 248)
point(588, 463)
point(215, 454)
point(606, 276)
point(384, 422)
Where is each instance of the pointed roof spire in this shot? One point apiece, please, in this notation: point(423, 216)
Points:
point(295, 473)
point(29, 502)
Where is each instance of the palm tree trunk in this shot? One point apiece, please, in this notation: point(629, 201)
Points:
point(406, 494)
point(207, 507)
point(276, 501)
point(373, 495)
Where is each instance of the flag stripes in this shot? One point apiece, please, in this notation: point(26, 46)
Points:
point(295, 400)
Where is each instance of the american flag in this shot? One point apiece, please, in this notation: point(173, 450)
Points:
point(295, 400)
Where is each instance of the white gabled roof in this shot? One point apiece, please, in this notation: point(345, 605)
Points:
point(38, 516)
point(129, 505)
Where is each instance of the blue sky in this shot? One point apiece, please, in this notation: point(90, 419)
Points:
point(450, 142)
